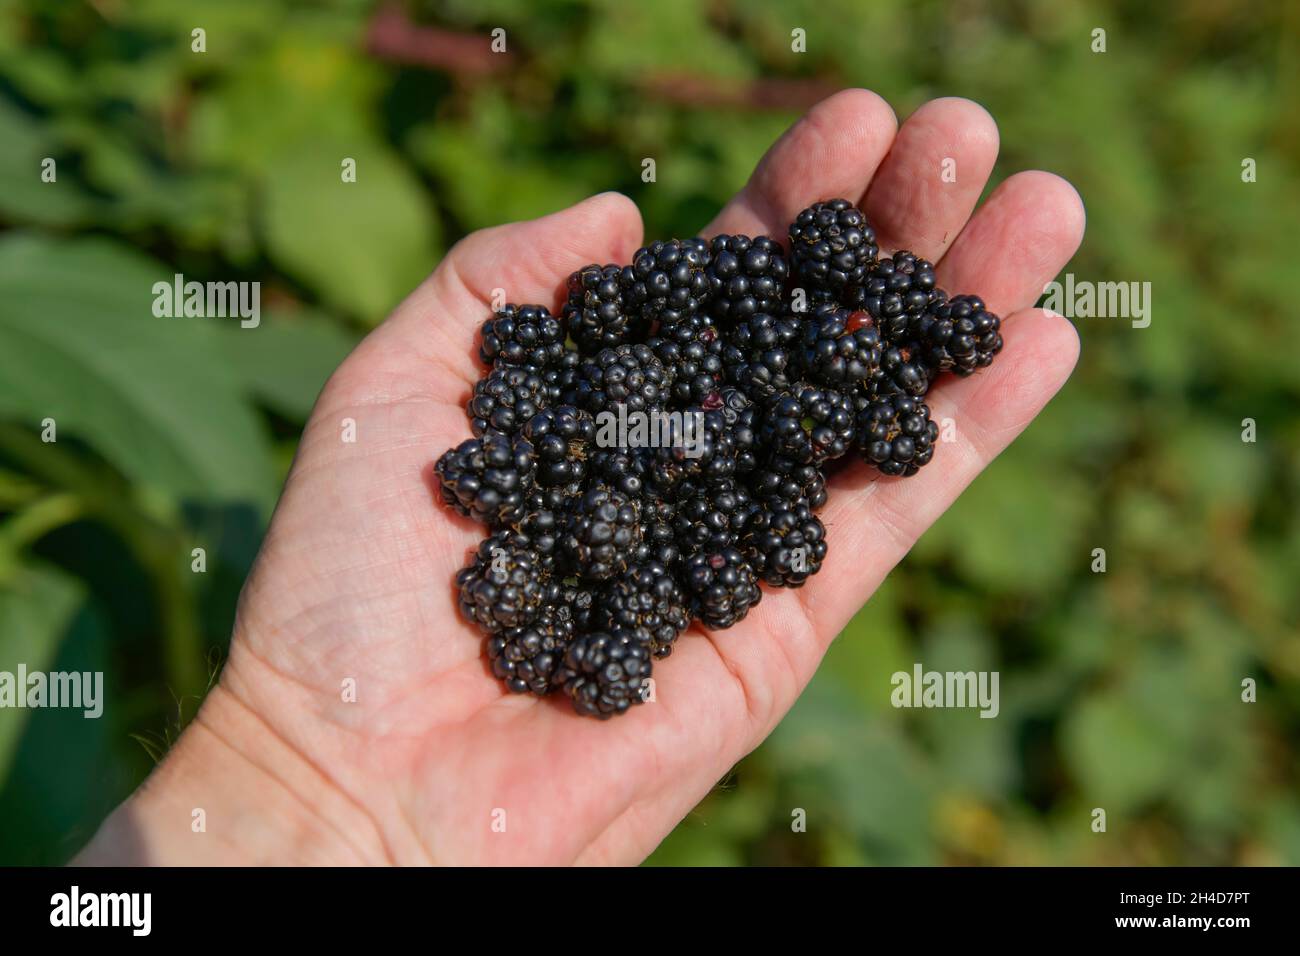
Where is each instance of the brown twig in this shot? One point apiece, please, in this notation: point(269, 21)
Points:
point(394, 38)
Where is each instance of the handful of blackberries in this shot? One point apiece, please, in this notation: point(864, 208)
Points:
point(649, 457)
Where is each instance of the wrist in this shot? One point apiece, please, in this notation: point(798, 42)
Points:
point(232, 793)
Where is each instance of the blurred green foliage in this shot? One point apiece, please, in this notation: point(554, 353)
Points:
point(1119, 690)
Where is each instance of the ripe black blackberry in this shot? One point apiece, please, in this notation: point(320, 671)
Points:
point(658, 537)
point(842, 347)
point(785, 542)
point(743, 419)
point(604, 672)
point(626, 470)
point(487, 478)
point(959, 334)
point(722, 586)
point(559, 377)
point(746, 276)
point(595, 313)
point(763, 353)
point(897, 290)
point(603, 533)
point(505, 399)
point(903, 371)
point(503, 585)
point(896, 434)
point(544, 523)
point(788, 481)
point(526, 658)
point(647, 601)
point(691, 350)
point(831, 247)
point(809, 425)
point(630, 376)
point(711, 516)
point(561, 438)
point(667, 282)
point(696, 445)
point(522, 335)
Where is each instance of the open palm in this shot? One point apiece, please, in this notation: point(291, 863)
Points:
point(355, 578)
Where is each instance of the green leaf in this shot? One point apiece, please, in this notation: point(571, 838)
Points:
point(79, 343)
point(37, 607)
point(284, 362)
point(25, 196)
point(362, 245)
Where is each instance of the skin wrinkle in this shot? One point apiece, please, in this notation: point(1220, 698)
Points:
point(268, 772)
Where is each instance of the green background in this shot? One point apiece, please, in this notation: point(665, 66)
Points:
point(1119, 690)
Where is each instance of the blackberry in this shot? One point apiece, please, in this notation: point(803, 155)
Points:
point(790, 482)
point(604, 531)
point(595, 313)
point(699, 446)
point(896, 291)
point(746, 276)
point(711, 516)
point(507, 398)
point(762, 353)
point(691, 351)
point(487, 478)
point(626, 470)
point(785, 542)
point(809, 424)
point(831, 247)
point(722, 585)
point(604, 672)
point(526, 658)
point(903, 371)
point(658, 537)
point(667, 282)
point(959, 334)
point(503, 585)
point(522, 335)
point(743, 420)
point(561, 439)
point(543, 523)
point(896, 434)
point(630, 376)
point(559, 377)
point(649, 602)
point(841, 347)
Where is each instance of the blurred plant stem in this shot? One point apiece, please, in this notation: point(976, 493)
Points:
point(92, 492)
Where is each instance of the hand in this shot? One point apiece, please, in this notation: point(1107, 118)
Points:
point(354, 579)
